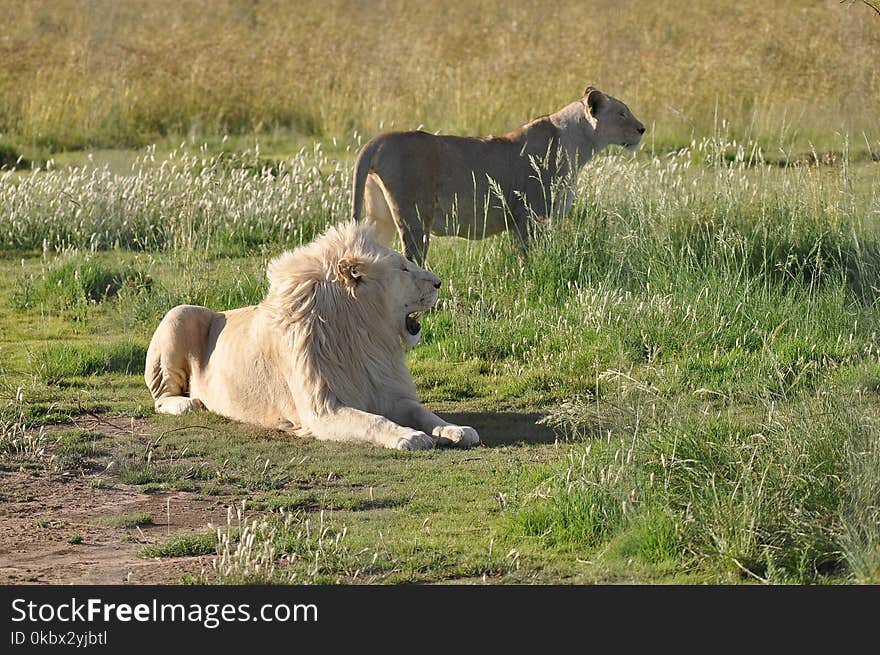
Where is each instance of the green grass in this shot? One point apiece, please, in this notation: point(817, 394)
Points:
point(78, 449)
point(58, 363)
point(761, 499)
point(697, 339)
point(176, 476)
point(77, 280)
point(204, 205)
point(187, 545)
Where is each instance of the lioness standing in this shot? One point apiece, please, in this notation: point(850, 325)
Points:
point(416, 184)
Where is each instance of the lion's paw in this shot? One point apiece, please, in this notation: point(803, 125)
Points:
point(177, 405)
point(462, 436)
point(415, 441)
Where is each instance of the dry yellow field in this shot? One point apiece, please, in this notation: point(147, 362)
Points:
point(105, 73)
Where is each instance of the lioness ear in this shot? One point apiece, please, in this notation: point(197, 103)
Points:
point(350, 270)
point(593, 101)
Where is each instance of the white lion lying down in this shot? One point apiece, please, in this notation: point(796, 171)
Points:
point(322, 355)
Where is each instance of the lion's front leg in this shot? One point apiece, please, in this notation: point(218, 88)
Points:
point(348, 424)
point(413, 413)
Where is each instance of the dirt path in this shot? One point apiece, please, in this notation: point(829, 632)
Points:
point(39, 514)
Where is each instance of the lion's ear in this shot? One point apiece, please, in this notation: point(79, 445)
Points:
point(593, 101)
point(350, 270)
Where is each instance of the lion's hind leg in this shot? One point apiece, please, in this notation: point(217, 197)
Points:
point(168, 368)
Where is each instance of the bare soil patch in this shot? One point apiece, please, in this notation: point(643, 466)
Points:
point(40, 513)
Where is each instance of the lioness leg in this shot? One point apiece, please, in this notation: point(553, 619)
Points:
point(180, 335)
point(416, 415)
point(525, 229)
point(414, 235)
point(348, 424)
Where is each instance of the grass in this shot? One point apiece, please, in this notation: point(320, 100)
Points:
point(164, 475)
point(77, 450)
point(186, 545)
point(678, 385)
point(312, 553)
point(764, 499)
point(58, 363)
point(183, 200)
point(22, 446)
point(250, 69)
point(76, 280)
point(696, 340)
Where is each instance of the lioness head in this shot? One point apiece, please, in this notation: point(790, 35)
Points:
point(349, 282)
point(612, 120)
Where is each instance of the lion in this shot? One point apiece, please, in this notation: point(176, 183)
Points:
point(414, 184)
point(322, 355)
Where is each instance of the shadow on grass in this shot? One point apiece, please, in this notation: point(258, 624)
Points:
point(504, 428)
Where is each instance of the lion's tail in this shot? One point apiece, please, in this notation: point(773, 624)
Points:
point(361, 170)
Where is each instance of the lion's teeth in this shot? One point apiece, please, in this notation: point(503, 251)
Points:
point(412, 323)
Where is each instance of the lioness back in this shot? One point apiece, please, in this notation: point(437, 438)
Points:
point(414, 184)
point(448, 180)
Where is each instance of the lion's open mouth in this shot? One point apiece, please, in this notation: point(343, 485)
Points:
point(412, 323)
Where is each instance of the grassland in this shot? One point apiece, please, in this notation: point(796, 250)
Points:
point(120, 74)
point(679, 384)
point(697, 339)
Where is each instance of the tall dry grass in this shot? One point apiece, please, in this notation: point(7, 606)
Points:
point(102, 72)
